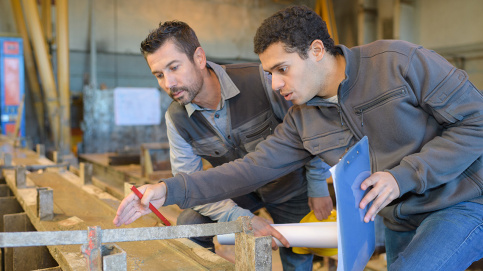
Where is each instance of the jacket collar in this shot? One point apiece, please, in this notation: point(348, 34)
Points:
point(352, 58)
point(228, 88)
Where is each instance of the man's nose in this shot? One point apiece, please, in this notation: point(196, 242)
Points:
point(169, 81)
point(277, 83)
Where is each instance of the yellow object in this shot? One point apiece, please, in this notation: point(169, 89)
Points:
point(317, 251)
point(325, 9)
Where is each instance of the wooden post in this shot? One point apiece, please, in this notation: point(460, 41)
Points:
point(62, 26)
point(85, 173)
point(56, 156)
point(43, 64)
point(31, 71)
point(127, 188)
point(252, 253)
point(46, 8)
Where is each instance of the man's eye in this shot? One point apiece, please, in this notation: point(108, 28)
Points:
point(283, 69)
point(159, 75)
point(174, 68)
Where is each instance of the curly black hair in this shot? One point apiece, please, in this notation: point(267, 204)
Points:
point(296, 27)
point(180, 32)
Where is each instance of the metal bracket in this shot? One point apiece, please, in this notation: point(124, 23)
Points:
point(40, 148)
point(20, 177)
point(92, 250)
point(7, 159)
point(45, 203)
point(85, 172)
point(102, 257)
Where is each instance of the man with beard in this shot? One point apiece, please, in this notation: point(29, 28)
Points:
point(220, 113)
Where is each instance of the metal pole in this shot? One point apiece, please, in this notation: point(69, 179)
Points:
point(62, 33)
point(45, 68)
point(53, 238)
point(93, 49)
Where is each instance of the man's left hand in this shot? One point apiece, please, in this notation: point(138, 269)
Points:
point(384, 190)
point(262, 227)
point(321, 206)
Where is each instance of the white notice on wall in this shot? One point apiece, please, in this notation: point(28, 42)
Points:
point(137, 106)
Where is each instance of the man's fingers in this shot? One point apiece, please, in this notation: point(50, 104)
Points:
point(382, 200)
point(322, 214)
point(274, 245)
point(384, 190)
point(124, 203)
point(370, 181)
point(124, 208)
point(129, 211)
point(319, 215)
point(322, 206)
point(133, 218)
point(148, 194)
point(370, 196)
point(280, 237)
point(376, 207)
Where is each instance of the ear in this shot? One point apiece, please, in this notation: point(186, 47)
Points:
point(199, 58)
point(317, 50)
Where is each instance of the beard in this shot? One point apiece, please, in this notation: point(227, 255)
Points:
point(190, 92)
point(189, 95)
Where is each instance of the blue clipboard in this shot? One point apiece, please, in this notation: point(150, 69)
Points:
point(356, 239)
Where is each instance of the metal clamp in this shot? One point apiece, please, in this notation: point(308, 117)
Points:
point(102, 257)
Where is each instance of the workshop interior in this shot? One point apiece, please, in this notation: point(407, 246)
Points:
point(83, 122)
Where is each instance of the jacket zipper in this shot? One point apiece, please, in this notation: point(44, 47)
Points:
point(260, 131)
point(340, 114)
point(394, 93)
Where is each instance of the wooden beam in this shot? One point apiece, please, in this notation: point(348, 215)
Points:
point(44, 66)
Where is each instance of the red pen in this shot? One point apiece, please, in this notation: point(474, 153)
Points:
point(140, 196)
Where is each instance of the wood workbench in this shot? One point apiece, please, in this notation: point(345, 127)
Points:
point(77, 206)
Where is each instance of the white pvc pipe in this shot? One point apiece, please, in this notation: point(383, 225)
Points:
point(310, 235)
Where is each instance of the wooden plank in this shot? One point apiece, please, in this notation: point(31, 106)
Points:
point(5, 191)
point(71, 200)
point(252, 253)
point(57, 268)
point(9, 205)
point(25, 258)
point(124, 159)
point(77, 206)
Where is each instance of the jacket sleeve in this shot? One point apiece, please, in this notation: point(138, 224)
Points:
point(445, 94)
point(183, 159)
point(317, 171)
point(278, 155)
point(181, 154)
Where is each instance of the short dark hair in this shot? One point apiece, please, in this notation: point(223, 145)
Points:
point(181, 33)
point(296, 27)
